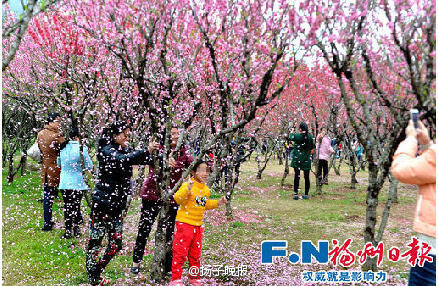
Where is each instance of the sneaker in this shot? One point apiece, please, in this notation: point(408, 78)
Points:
point(135, 270)
point(76, 231)
point(195, 282)
point(295, 197)
point(305, 197)
point(178, 282)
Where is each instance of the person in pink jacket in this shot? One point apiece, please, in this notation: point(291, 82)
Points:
point(410, 169)
point(324, 150)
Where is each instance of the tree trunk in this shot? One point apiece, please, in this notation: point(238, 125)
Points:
point(268, 156)
point(371, 219)
point(318, 190)
point(280, 156)
point(11, 173)
point(333, 164)
point(385, 216)
point(286, 169)
point(259, 167)
point(236, 175)
point(353, 172)
point(158, 262)
point(138, 183)
point(219, 168)
point(259, 174)
point(229, 192)
point(229, 187)
point(4, 153)
point(260, 171)
point(229, 210)
point(23, 162)
point(217, 171)
point(371, 216)
point(341, 158)
point(353, 182)
point(88, 199)
point(393, 187)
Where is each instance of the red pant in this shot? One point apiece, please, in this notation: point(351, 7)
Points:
point(187, 241)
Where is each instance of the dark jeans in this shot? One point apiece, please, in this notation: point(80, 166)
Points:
point(49, 196)
point(72, 208)
point(100, 225)
point(306, 180)
point(322, 168)
point(423, 276)
point(149, 212)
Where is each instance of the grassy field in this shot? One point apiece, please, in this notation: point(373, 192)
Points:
point(263, 210)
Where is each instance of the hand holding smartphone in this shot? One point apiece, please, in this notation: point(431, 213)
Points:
point(414, 117)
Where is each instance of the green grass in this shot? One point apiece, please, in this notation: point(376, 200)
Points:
point(47, 258)
point(23, 242)
point(215, 195)
point(237, 224)
point(32, 257)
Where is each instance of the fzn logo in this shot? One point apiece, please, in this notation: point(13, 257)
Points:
point(278, 248)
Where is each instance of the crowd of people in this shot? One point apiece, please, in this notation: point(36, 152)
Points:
point(64, 167)
point(64, 163)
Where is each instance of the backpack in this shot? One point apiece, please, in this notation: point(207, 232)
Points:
point(34, 152)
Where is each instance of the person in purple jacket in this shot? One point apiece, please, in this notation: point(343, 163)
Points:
point(324, 150)
point(151, 204)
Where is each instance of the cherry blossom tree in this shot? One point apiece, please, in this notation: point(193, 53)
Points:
point(15, 27)
point(184, 58)
point(226, 71)
point(380, 94)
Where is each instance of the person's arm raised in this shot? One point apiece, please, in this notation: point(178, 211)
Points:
point(413, 170)
point(137, 157)
point(184, 192)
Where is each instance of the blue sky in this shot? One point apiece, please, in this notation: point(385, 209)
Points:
point(16, 6)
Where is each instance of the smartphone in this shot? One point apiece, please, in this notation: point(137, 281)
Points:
point(414, 117)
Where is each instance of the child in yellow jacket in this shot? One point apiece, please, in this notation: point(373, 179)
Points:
point(193, 199)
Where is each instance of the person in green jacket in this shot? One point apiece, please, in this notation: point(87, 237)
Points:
point(303, 145)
